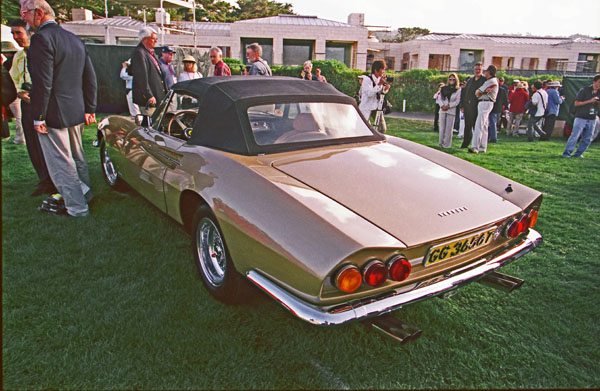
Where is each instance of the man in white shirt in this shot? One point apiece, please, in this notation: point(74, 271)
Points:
point(486, 95)
point(370, 88)
point(539, 99)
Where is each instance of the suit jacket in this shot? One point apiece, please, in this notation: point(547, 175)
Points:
point(148, 80)
point(63, 77)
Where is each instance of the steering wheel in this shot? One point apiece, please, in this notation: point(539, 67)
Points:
point(296, 136)
point(184, 121)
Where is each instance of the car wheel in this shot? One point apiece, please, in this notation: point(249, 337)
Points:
point(212, 259)
point(108, 169)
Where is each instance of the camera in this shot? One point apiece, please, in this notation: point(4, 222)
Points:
point(389, 79)
point(26, 86)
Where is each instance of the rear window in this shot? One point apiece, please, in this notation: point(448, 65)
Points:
point(285, 123)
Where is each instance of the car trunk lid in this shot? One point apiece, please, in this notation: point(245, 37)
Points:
point(409, 197)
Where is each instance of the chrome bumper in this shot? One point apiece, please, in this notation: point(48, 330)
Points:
point(454, 279)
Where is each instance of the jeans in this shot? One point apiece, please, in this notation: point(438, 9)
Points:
point(585, 129)
point(493, 127)
point(534, 124)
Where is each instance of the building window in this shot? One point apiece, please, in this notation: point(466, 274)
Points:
point(530, 63)
point(468, 58)
point(497, 62)
point(557, 64)
point(295, 51)
point(588, 62)
point(439, 61)
point(414, 61)
point(390, 62)
point(97, 40)
point(340, 51)
point(265, 43)
point(405, 61)
point(510, 63)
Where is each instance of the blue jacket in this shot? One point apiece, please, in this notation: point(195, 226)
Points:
point(554, 101)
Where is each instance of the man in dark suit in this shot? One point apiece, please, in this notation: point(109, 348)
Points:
point(63, 98)
point(469, 102)
point(148, 83)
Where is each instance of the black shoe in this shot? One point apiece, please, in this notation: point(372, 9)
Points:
point(55, 205)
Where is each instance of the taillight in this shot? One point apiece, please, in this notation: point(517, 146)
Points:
point(533, 216)
point(399, 268)
point(375, 273)
point(521, 224)
point(348, 279)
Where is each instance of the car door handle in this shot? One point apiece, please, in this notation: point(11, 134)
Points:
point(160, 141)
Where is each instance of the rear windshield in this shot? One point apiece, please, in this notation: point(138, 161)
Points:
point(285, 123)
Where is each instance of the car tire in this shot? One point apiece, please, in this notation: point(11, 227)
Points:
point(212, 258)
point(111, 176)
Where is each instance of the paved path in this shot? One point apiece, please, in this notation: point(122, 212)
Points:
point(411, 115)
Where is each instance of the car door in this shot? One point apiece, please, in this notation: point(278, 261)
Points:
point(151, 152)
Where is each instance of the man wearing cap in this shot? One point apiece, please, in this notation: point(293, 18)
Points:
point(216, 58)
point(486, 94)
point(166, 58)
point(554, 102)
point(517, 99)
point(586, 115)
point(148, 82)
point(124, 75)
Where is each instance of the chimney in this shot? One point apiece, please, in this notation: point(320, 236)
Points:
point(162, 16)
point(79, 14)
point(356, 19)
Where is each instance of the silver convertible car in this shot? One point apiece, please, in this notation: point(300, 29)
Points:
point(282, 182)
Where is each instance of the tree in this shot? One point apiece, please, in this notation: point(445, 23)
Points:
point(408, 33)
point(251, 9)
point(214, 11)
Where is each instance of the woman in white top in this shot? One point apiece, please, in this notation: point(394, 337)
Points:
point(448, 98)
point(190, 70)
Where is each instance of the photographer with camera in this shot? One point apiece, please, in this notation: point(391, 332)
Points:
point(586, 114)
point(22, 80)
point(372, 95)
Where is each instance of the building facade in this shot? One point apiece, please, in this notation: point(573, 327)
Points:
point(292, 39)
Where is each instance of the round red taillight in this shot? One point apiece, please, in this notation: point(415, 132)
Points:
point(523, 223)
point(513, 229)
point(348, 279)
point(533, 216)
point(375, 273)
point(399, 268)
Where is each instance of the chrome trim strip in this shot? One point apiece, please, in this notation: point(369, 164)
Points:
point(369, 308)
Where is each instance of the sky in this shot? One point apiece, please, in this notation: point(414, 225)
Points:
point(557, 17)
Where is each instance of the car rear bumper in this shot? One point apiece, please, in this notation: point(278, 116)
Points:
point(378, 306)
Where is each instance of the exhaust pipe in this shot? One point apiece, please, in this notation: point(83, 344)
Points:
point(394, 328)
point(504, 282)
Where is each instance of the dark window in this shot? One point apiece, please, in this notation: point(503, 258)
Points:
point(265, 43)
point(339, 51)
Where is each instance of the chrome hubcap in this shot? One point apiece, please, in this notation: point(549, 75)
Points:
point(211, 252)
point(109, 169)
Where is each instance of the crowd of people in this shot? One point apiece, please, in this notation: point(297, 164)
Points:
point(51, 88)
point(475, 109)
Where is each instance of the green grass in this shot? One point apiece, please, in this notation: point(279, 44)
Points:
point(113, 301)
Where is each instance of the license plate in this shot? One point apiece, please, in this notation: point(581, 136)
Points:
point(458, 247)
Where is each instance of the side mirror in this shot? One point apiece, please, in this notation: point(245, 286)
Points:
point(143, 120)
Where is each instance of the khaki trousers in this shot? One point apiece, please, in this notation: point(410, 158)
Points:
point(63, 152)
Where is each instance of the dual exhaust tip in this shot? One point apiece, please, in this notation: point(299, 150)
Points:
point(394, 328)
point(399, 331)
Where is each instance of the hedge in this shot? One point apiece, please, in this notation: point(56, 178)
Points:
point(416, 86)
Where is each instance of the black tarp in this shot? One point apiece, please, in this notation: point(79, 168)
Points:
point(570, 88)
point(108, 60)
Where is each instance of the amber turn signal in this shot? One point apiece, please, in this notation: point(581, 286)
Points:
point(348, 279)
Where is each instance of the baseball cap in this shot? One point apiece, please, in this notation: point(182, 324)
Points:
point(168, 49)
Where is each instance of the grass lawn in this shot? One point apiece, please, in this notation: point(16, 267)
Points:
point(113, 301)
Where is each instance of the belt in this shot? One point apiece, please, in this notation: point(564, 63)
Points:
point(486, 100)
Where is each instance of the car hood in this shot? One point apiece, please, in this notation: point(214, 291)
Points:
point(408, 196)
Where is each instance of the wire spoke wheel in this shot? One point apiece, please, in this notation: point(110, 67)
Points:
point(211, 252)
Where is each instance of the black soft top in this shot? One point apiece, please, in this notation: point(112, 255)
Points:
point(222, 120)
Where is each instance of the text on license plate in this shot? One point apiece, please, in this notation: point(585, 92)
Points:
point(452, 249)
